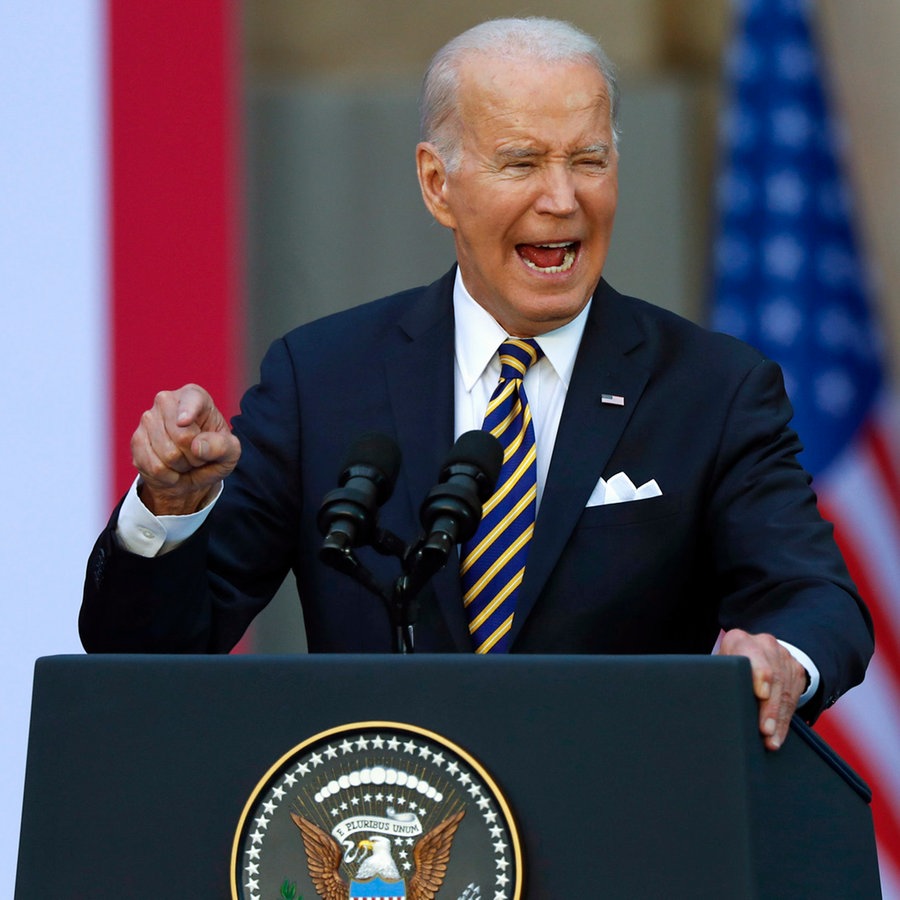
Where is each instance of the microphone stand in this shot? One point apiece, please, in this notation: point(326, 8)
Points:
point(421, 561)
point(398, 600)
point(450, 514)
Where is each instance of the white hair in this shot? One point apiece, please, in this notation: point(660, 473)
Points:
point(534, 38)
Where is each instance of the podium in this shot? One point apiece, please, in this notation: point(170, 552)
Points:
point(626, 777)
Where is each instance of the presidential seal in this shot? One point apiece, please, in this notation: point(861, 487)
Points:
point(376, 811)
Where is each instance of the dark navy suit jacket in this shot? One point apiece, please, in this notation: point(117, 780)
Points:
point(735, 540)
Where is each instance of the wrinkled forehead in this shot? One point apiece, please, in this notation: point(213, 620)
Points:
point(508, 95)
point(572, 85)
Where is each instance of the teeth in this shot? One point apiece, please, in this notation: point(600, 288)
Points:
point(567, 262)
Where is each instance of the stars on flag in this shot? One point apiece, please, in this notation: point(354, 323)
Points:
point(786, 273)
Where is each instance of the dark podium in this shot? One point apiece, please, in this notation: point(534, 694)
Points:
point(627, 777)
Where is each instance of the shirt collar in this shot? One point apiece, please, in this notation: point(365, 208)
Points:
point(478, 335)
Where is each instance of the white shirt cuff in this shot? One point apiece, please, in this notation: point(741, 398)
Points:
point(811, 670)
point(141, 532)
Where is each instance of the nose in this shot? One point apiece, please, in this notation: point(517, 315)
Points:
point(557, 196)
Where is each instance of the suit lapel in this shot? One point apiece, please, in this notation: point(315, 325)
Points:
point(419, 370)
point(589, 431)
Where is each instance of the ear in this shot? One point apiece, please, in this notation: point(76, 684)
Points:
point(433, 183)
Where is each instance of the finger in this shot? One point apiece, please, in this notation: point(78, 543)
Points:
point(766, 684)
point(168, 442)
point(193, 406)
point(772, 723)
point(739, 643)
point(180, 461)
point(788, 680)
point(151, 467)
point(220, 448)
point(778, 681)
point(211, 457)
point(160, 443)
point(767, 689)
point(175, 421)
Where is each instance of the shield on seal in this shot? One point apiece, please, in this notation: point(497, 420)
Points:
point(378, 889)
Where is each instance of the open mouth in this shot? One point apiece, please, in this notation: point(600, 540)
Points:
point(549, 258)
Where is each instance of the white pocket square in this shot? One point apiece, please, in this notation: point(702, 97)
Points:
point(620, 489)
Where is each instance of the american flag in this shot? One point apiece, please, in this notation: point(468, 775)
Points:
point(789, 278)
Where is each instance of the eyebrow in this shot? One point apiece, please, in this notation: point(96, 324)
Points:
point(531, 152)
point(518, 153)
point(600, 148)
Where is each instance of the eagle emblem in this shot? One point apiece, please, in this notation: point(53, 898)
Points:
point(376, 811)
point(377, 876)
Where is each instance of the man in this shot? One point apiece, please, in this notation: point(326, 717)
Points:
point(519, 160)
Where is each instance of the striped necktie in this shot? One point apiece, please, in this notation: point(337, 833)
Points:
point(493, 561)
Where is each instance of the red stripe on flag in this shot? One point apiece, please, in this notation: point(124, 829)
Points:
point(887, 824)
point(885, 813)
point(878, 445)
point(887, 645)
point(174, 210)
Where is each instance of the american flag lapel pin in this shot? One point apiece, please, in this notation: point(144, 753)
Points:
point(612, 399)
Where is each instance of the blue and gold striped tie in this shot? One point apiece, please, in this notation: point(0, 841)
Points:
point(493, 562)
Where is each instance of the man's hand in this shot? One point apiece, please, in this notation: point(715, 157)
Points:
point(778, 680)
point(183, 449)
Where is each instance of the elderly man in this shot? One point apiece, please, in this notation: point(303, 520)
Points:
point(596, 393)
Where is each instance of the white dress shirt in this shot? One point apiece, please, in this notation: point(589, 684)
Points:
point(477, 371)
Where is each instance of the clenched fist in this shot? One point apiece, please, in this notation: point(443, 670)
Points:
point(183, 449)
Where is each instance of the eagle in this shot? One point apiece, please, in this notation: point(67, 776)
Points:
point(431, 856)
point(380, 864)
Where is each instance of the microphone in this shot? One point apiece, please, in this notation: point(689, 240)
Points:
point(347, 515)
point(452, 510)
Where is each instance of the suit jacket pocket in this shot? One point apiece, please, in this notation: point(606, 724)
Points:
point(630, 512)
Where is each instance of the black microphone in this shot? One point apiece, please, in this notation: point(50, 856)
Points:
point(451, 512)
point(367, 477)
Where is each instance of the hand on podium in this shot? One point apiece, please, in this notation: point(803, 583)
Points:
point(778, 680)
point(183, 449)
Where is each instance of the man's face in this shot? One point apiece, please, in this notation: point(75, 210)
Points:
point(532, 202)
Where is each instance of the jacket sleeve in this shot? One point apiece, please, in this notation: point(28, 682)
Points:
point(201, 596)
point(777, 565)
